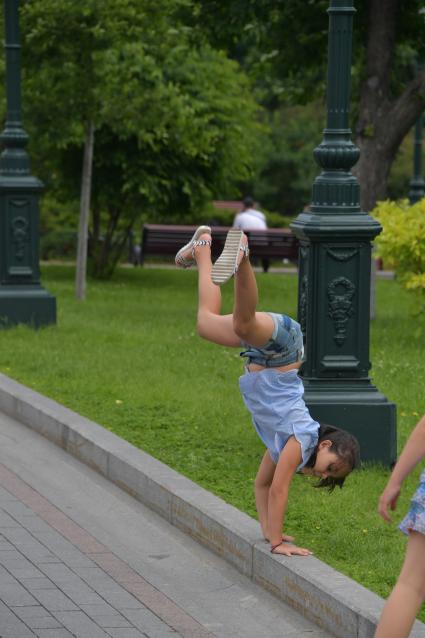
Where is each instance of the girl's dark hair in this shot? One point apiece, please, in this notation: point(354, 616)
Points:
point(344, 445)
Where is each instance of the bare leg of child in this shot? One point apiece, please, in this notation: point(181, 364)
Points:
point(245, 324)
point(210, 324)
point(408, 594)
point(256, 328)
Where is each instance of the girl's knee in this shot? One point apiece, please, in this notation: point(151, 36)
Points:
point(242, 328)
point(202, 327)
point(262, 480)
point(206, 325)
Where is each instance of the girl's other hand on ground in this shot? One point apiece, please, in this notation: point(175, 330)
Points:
point(291, 550)
point(388, 500)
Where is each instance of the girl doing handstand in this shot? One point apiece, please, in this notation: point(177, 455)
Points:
point(270, 387)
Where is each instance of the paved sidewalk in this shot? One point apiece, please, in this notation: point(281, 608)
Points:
point(80, 558)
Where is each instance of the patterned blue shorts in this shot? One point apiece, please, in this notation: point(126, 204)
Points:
point(284, 347)
point(415, 517)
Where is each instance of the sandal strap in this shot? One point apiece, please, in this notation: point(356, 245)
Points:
point(200, 242)
point(183, 262)
point(245, 250)
point(273, 547)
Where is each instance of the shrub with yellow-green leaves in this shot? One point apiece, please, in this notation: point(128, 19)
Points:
point(401, 245)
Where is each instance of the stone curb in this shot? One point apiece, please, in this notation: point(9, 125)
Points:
point(330, 599)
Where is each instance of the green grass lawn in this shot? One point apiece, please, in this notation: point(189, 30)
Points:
point(129, 358)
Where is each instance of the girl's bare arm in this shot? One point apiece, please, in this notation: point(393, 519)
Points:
point(289, 460)
point(412, 453)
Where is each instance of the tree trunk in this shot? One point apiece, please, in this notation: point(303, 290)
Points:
point(81, 266)
point(372, 171)
point(384, 119)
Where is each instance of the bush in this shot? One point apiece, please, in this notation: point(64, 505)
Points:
point(58, 244)
point(401, 245)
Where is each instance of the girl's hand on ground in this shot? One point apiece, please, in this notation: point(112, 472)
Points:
point(388, 500)
point(291, 550)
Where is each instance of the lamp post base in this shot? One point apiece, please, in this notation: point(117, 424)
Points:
point(360, 409)
point(30, 305)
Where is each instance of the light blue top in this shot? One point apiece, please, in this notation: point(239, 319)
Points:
point(275, 400)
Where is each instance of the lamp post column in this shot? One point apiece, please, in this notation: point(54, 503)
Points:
point(22, 298)
point(417, 183)
point(334, 275)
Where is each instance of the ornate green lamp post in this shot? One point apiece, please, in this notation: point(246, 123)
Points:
point(334, 277)
point(22, 298)
point(417, 183)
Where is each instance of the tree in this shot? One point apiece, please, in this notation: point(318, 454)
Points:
point(388, 108)
point(283, 46)
point(172, 121)
point(284, 168)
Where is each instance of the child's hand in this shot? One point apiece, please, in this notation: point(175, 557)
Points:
point(291, 550)
point(388, 500)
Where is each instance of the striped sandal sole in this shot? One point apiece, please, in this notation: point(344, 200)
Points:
point(227, 264)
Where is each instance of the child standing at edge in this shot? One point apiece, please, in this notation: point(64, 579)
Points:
point(408, 594)
point(270, 387)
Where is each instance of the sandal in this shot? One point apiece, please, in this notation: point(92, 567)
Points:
point(235, 249)
point(185, 258)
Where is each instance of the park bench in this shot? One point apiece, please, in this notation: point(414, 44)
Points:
point(273, 243)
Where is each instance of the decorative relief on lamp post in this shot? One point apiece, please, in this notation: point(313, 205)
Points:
point(340, 306)
point(20, 235)
point(341, 254)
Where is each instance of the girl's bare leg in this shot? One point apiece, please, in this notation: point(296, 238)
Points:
point(256, 328)
point(211, 325)
point(408, 594)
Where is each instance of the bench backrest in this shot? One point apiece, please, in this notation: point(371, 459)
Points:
point(277, 243)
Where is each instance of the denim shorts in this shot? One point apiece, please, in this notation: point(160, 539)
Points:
point(284, 347)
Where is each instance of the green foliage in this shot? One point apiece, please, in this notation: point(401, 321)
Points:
point(285, 168)
point(56, 214)
point(283, 43)
point(58, 244)
point(176, 119)
point(402, 242)
point(123, 369)
point(194, 127)
point(280, 43)
point(174, 122)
